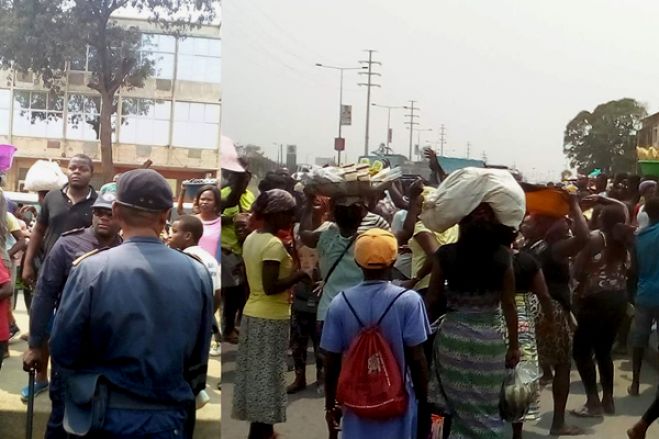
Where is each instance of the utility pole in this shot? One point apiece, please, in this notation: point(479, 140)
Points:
point(411, 123)
point(442, 139)
point(368, 84)
point(468, 150)
point(389, 132)
point(341, 69)
point(418, 140)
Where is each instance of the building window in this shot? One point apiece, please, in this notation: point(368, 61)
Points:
point(196, 125)
point(160, 49)
point(145, 121)
point(5, 107)
point(78, 61)
point(655, 139)
point(83, 117)
point(199, 59)
point(38, 114)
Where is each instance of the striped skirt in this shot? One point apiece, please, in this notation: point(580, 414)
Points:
point(468, 371)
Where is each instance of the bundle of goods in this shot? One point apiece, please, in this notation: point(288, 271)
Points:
point(547, 201)
point(351, 180)
point(648, 160)
point(44, 175)
point(465, 189)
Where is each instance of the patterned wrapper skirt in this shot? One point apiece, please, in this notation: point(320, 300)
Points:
point(527, 312)
point(467, 373)
point(554, 338)
point(260, 389)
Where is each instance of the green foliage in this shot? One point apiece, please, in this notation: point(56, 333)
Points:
point(39, 36)
point(605, 138)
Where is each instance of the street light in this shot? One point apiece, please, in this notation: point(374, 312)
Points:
point(389, 108)
point(418, 138)
point(341, 69)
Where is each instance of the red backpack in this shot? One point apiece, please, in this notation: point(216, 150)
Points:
point(371, 383)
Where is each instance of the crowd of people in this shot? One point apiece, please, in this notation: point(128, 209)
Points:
point(290, 266)
point(476, 299)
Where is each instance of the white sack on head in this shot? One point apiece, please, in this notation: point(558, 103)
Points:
point(44, 175)
point(465, 189)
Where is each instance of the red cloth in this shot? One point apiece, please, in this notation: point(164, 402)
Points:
point(4, 305)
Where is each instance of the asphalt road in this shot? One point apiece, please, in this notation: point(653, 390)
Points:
point(306, 410)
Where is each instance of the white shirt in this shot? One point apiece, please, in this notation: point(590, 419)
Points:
point(642, 219)
point(209, 262)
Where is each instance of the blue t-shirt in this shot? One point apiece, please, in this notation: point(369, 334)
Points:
point(406, 324)
point(647, 256)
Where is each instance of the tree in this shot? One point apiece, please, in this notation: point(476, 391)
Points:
point(606, 138)
point(43, 36)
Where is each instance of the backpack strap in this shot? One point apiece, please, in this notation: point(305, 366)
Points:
point(354, 313)
point(390, 305)
point(383, 314)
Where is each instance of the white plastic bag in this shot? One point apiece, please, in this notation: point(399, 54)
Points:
point(465, 189)
point(44, 175)
point(519, 390)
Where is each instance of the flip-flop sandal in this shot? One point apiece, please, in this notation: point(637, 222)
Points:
point(583, 412)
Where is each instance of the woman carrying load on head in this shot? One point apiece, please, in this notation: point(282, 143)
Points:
point(470, 354)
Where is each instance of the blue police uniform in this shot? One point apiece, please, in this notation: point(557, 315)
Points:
point(140, 316)
point(52, 278)
point(132, 331)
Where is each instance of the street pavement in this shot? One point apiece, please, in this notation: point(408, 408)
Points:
point(13, 379)
point(306, 410)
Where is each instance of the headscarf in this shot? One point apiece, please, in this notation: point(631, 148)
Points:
point(645, 186)
point(274, 201)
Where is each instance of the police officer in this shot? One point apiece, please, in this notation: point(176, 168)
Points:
point(104, 233)
point(132, 332)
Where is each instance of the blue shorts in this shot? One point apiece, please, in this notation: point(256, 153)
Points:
point(644, 317)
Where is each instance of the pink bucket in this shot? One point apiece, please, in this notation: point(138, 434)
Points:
point(6, 156)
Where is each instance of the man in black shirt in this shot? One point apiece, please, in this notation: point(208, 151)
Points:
point(62, 210)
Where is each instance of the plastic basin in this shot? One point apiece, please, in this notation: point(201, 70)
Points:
point(649, 168)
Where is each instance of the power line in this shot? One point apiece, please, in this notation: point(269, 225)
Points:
point(368, 84)
point(282, 31)
point(411, 123)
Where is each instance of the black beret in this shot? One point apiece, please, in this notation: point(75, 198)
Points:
point(144, 189)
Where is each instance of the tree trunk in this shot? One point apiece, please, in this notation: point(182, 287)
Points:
point(106, 137)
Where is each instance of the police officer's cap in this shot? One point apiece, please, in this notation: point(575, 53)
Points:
point(105, 200)
point(144, 189)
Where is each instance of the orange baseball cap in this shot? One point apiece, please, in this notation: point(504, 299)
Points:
point(376, 249)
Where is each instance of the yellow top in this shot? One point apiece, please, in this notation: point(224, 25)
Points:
point(12, 223)
point(419, 256)
point(229, 237)
point(258, 248)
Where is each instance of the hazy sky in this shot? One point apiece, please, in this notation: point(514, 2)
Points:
point(504, 75)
